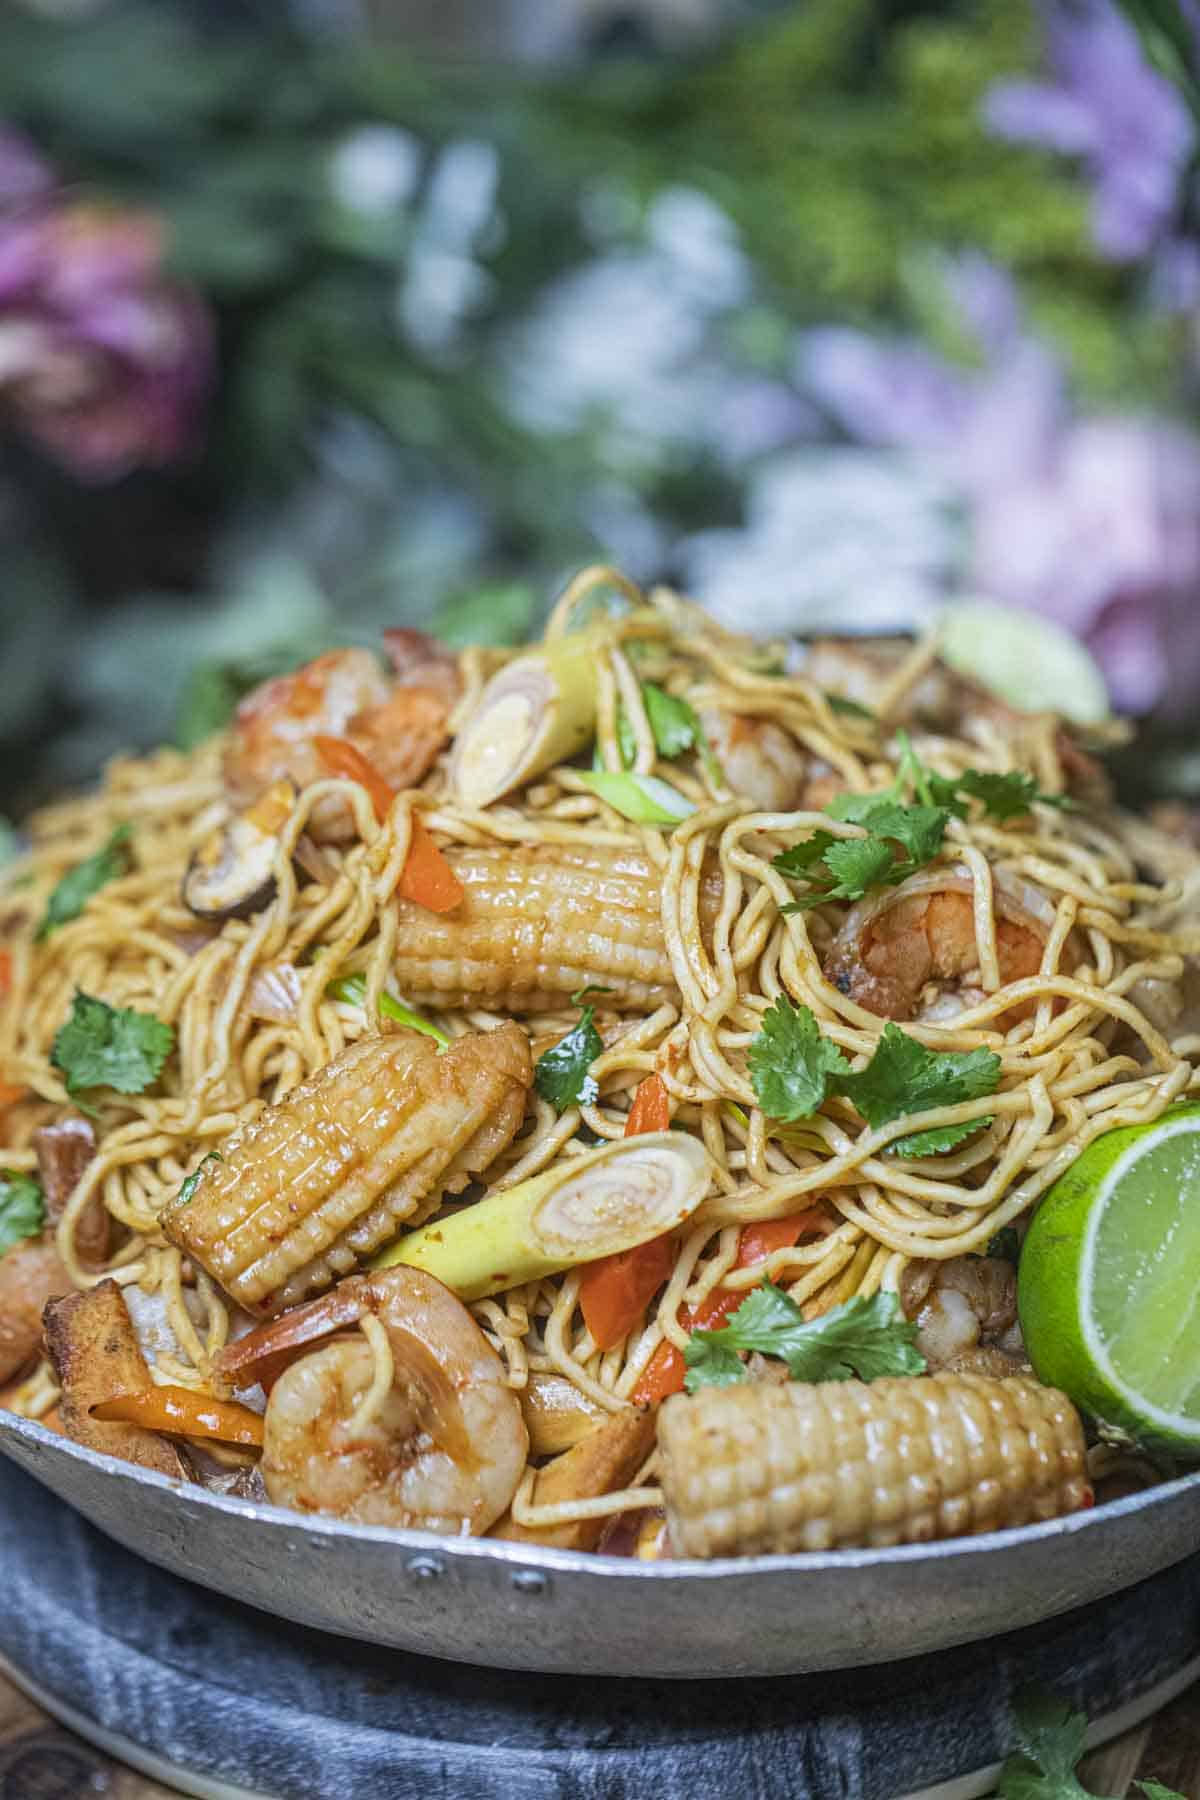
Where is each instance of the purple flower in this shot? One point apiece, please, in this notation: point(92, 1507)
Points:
point(103, 360)
point(1106, 105)
point(1092, 523)
point(1107, 542)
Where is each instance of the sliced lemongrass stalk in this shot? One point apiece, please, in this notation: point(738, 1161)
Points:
point(537, 711)
point(644, 799)
point(612, 1198)
point(352, 991)
point(793, 1134)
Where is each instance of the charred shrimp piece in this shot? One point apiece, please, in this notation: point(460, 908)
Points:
point(418, 1429)
point(755, 1468)
point(966, 1314)
point(399, 723)
point(912, 952)
point(96, 1356)
point(373, 1141)
point(64, 1151)
point(535, 924)
point(31, 1275)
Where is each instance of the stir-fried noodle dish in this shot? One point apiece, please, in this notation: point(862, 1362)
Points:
point(591, 1094)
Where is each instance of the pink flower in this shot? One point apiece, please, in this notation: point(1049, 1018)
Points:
point(1107, 542)
point(104, 361)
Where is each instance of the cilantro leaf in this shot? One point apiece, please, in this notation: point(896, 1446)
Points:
point(85, 879)
point(845, 868)
point(561, 1073)
point(794, 1068)
point(189, 1184)
point(1007, 796)
point(674, 725)
point(1050, 1742)
point(857, 864)
point(110, 1046)
point(849, 709)
point(800, 858)
point(904, 1077)
point(937, 1139)
point(864, 1338)
point(22, 1209)
point(791, 1062)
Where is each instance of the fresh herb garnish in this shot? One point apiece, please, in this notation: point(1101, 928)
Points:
point(938, 1139)
point(794, 1068)
point(845, 868)
point(864, 1338)
point(904, 1077)
point(188, 1185)
point(792, 1062)
point(110, 1046)
point(10, 844)
point(1003, 796)
point(1051, 1740)
point(85, 879)
point(22, 1209)
point(675, 726)
point(642, 798)
point(352, 991)
point(561, 1074)
point(583, 993)
point(849, 709)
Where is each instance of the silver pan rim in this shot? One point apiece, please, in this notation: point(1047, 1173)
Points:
point(618, 1568)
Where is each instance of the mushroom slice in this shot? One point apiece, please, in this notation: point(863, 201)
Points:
point(232, 873)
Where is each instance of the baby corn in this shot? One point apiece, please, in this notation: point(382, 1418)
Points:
point(372, 1141)
point(537, 923)
point(757, 1468)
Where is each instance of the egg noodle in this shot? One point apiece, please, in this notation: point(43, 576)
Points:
point(1078, 1047)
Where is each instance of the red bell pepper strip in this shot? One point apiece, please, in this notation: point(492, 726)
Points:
point(616, 1290)
point(665, 1371)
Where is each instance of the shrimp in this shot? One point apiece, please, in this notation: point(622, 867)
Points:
point(31, 1274)
point(445, 1445)
point(895, 956)
point(399, 723)
point(765, 763)
point(966, 1313)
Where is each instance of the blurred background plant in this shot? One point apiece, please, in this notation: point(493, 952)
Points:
point(317, 320)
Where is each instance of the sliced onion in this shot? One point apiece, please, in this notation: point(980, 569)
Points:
point(275, 992)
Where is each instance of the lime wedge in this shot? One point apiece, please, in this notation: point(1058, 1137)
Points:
point(1033, 664)
point(1109, 1288)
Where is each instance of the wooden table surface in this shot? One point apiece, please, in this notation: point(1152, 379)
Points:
point(39, 1760)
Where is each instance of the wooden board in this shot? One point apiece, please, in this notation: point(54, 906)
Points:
point(38, 1758)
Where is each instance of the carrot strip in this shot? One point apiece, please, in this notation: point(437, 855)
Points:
point(11, 1092)
point(664, 1373)
point(651, 1109)
point(5, 973)
point(761, 1240)
point(340, 757)
point(427, 878)
point(615, 1291)
point(185, 1414)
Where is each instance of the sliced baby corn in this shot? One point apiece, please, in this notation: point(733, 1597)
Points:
point(371, 1142)
point(756, 1468)
point(535, 924)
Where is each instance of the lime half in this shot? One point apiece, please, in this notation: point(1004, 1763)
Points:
point(1029, 661)
point(1109, 1288)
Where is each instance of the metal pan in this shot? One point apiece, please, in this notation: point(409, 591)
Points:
point(476, 1601)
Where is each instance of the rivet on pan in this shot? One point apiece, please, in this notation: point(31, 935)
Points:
point(529, 1581)
point(425, 1568)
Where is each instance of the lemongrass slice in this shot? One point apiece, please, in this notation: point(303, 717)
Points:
point(612, 1198)
point(538, 711)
